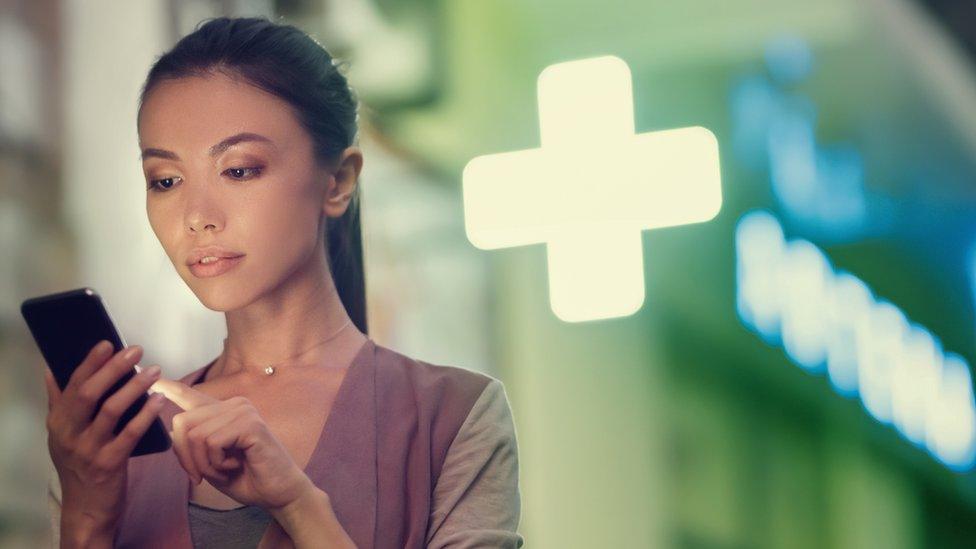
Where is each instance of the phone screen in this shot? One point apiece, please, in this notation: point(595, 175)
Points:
point(65, 327)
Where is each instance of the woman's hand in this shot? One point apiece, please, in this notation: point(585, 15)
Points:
point(228, 443)
point(90, 459)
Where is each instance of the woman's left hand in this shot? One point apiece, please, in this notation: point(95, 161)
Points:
point(228, 443)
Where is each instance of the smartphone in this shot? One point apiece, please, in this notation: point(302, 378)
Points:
point(65, 327)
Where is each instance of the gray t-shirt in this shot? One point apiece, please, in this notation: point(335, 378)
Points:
point(227, 528)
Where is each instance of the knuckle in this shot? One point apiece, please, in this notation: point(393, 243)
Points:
point(130, 431)
point(86, 459)
point(71, 450)
point(112, 409)
point(103, 464)
point(195, 436)
point(211, 441)
point(75, 377)
point(86, 395)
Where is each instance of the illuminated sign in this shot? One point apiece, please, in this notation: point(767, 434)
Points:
point(820, 186)
point(829, 321)
point(591, 188)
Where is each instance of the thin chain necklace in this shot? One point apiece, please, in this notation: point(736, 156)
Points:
point(270, 368)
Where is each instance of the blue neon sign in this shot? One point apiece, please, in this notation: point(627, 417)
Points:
point(830, 322)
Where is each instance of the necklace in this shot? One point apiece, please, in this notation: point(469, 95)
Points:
point(270, 368)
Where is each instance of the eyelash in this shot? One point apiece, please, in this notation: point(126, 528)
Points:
point(256, 170)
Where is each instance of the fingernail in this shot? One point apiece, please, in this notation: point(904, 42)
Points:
point(153, 371)
point(130, 352)
point(105, 346)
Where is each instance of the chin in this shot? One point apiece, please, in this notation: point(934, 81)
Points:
point(218, 297)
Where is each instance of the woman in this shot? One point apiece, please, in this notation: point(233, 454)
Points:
point(303, 431)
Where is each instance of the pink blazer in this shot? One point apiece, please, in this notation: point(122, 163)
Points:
point(378, 456)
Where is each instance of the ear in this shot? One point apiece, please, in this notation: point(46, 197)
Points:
point(342, 182)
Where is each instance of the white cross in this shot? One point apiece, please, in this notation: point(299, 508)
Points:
point(591, 188)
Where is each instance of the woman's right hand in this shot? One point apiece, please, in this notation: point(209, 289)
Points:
point(90, 459)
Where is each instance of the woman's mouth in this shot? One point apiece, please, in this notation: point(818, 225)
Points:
point(214, 268)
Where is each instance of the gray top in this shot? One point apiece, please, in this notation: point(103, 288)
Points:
point(476, 502)
point(227, 528)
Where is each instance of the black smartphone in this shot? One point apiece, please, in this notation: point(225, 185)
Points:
point(66, 326)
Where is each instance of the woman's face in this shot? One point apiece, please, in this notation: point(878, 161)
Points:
point(228, 164)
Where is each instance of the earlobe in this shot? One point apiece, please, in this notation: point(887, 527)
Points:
point(342, 183)
point(335, 206)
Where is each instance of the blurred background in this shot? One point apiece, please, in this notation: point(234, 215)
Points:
point(799, 374)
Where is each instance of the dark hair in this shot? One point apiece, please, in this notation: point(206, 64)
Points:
point(286, 62)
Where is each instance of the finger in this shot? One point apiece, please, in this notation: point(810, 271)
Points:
point(108, 416)
point(231, 462)
point(180, 448)
point(209, 457)
point(231, 436)
point(51, 386)
point(183, 395)
point(125, 442)
point(97, 355)
point(184, 422)
point(194, 438)
point(120, 364)
point(94, 388)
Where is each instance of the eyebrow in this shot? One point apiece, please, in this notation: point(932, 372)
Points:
point(214, 150)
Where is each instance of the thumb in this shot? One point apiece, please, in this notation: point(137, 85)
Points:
point(51, 386)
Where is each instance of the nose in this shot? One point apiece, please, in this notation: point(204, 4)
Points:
point(202, 212)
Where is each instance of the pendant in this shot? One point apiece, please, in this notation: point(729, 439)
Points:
point(269, 370)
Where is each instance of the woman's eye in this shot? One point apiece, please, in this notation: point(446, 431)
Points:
point(154, 184)
point(243, 173)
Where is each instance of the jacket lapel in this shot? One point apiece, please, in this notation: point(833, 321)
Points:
point(345, 464)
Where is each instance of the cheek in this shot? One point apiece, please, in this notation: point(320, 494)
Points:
point(283, 226)
point(162, 225)
point(154, 222)
point(290, 223)
point(291, 207)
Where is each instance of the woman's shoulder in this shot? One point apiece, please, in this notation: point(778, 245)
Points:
point(435, 383)
point(425, 375)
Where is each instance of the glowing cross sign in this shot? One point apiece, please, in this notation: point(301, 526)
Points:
point(591, 188)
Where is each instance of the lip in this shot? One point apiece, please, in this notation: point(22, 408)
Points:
point(216, 268)
point(217, 251)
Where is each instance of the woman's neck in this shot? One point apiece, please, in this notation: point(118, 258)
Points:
point(305, 326)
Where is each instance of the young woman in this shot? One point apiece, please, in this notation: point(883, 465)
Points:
point(303, 431)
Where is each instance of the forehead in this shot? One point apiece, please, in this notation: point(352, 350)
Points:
point(195, 112)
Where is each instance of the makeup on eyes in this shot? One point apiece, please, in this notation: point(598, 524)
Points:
point(249, 172)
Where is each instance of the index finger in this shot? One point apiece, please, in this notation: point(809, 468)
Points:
point(181, 394)
point(97, 356)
